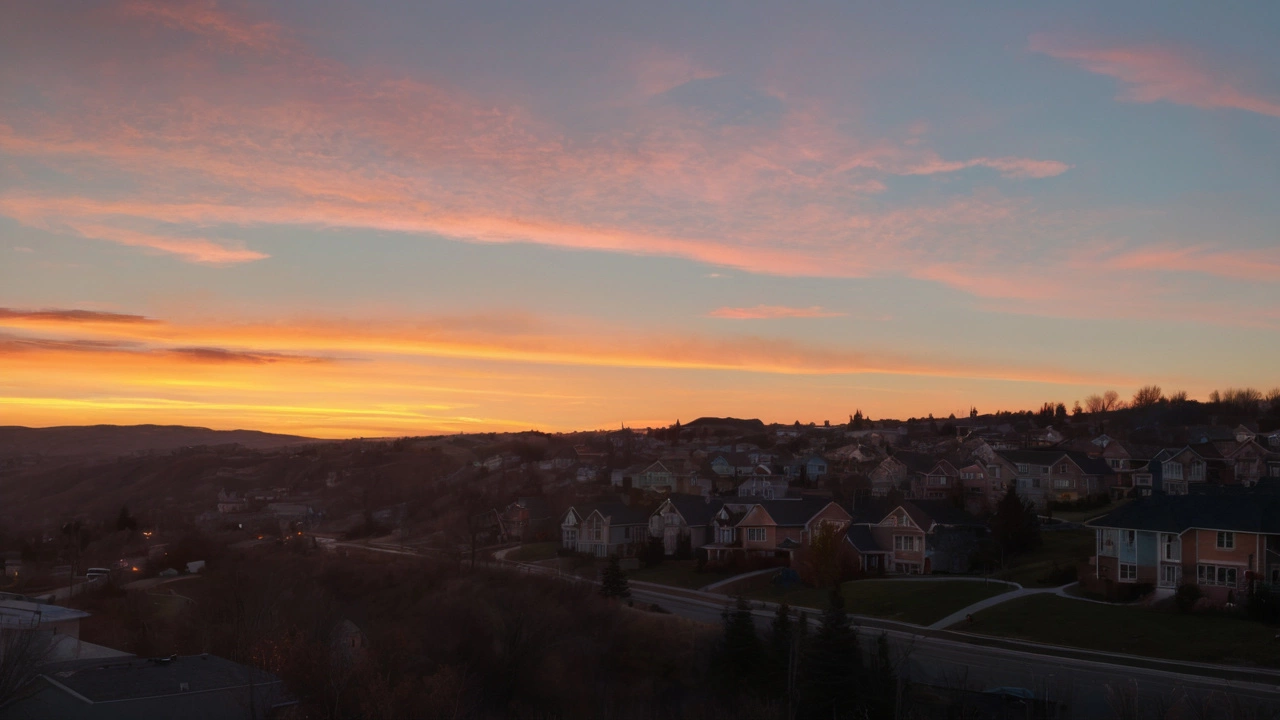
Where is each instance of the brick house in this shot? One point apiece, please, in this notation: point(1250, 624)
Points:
point(1220, 542)
point(897, 470)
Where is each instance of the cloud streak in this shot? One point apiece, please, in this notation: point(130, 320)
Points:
point(772, 312)
point(1153, 73)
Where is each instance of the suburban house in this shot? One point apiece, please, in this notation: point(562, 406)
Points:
point(771, 530)
point(606, 529)
point(1247, 460)
point(1220, 542)
point(1179, 469)
point(811, 468)
point(896, 471)
point(763, 484)
point(684, 522)
point(1045, 476)
point(731, 464)
point(666, 475)
point(916, 537)
point(937, 483)
point(981, 492)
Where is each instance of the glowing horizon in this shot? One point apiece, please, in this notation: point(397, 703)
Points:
point(408, 220)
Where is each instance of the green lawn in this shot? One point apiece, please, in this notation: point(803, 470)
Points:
point(921, 602)
point(1083, 515)
point(532, 552)
point(1064, 547)
point(677, 573)
point(1136, 631)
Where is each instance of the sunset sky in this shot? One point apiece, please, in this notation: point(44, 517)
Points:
point(390, 218)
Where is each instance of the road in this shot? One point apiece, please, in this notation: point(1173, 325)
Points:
point(1087, 683)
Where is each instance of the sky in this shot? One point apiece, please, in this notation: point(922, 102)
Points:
point(400, 218)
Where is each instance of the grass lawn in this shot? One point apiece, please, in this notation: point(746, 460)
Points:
point(677, 573)
point(1083, 515)
point(1064, 547)
point(1136, 631)
point(921, 602)
point(532, 552)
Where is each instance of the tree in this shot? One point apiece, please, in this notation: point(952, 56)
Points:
point(1111, 401)
point(22, 650)
point(1147, 396)
point(824, 555)
point(1076, 410)
point(740, 659)
point(613, 581)
point(973, 413)
point(781, 654)
point(1094, 404)
point(1060, 412)
point(832, 665)
point(1015, 527)
point(124, 521)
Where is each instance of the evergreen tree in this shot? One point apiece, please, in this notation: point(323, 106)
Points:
point(739, 661)
point(882, 696)
point(1015, 526)
point(832, 665)
point(613, 581)
point(781, 655)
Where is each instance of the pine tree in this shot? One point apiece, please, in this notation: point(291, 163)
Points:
point(1015, 527)
point(832, 665)
point(740, 659)
point(882, 696)
point(613, 581)
point(782, 636)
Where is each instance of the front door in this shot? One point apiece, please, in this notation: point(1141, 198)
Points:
point(1170, 576)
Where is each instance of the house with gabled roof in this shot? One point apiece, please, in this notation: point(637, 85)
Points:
point(897, 470)
point(684, 521)
point(937, 483)
point(1222, 542)
point(771, 530)
point(604, 529)
point(915, 537)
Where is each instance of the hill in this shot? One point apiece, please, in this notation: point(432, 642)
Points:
point(116, 440)
point(727, 424)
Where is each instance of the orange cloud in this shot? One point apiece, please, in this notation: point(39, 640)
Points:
point(771, 312)
point(1150, 73)
point(8, 315)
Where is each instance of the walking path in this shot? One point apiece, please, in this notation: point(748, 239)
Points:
point(1060, 591)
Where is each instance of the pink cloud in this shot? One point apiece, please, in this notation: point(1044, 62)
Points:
point(772, 312)
point(1151, 73)
point(204, 18)
point(1255, 265)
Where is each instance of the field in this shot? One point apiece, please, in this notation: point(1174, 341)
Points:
point(1137, 631)
point(677, 573)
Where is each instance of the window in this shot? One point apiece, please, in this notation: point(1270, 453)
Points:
point(725, 535)
point(1063, 483)
point(906, 543)
point(1171, 548)
point(1142, 479)
point(1173, 471)
point(994, 471)
point(1170, 575)
point(1216, 575)
point(1044, 469)
point(1226, 541)
point(1023, 467)
point(1197, 471)
point(1130, 536)
point(1128, 572)
point(756, 534)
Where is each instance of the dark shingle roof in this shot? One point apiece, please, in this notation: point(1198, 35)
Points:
point(695, 509)
point(794, 512)
point(620, 514)
point(1176, 514)
point(916, 462)
point(136, 678)
point(860, 537)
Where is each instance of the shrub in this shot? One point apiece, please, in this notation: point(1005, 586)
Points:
point(1186, 597)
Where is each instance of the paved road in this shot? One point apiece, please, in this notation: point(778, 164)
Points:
point(1086, 682)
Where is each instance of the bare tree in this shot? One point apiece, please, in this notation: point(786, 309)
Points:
point(22, 650)
point(1094, 404)
point(1178, 397)
point(1111, 401)
point(1147, 396)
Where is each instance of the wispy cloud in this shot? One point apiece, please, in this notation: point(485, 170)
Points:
point(65, 316)
point(1154, 73)
point(772, 312)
